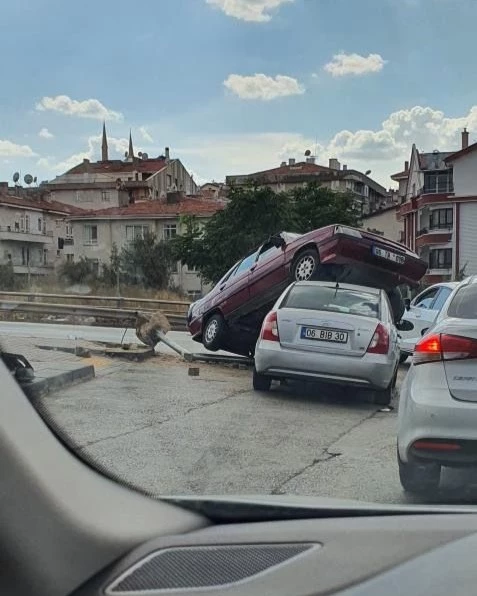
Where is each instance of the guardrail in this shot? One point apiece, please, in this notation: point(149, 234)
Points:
point(123, 317)
point(172, 306)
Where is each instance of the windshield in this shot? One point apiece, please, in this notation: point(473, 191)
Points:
point(151, 155)
point(312, 297)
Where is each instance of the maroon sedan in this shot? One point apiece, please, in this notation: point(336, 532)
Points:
point(229, 317)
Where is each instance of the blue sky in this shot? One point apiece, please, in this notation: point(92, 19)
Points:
point(234, 86)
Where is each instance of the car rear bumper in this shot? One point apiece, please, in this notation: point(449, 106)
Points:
point(428, 411)
point(375, 372)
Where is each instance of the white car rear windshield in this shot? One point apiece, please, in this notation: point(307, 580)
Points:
point(355, 302)
point(464, 303)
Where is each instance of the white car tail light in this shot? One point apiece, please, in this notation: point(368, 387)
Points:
point(270, 327)
point(380, 341)
point(440, 346)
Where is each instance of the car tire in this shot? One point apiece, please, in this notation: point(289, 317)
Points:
point(305, 265)
point(397, 304)
point(213, 332)
point(403, 357)
point(261, 382)
point(383, 397)
point(419, 478)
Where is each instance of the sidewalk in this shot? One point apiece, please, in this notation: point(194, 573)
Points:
point(55, 369)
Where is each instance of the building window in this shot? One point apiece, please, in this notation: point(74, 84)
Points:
point(135, 232)
point(70, 258)
point(170, 231)
point(438, 181)
point(440, 258)
point(69, 230)
point(39, 224)
point(442, 218)
point(27, 223)
point(174, 268)
point(169, 180)
point(58, 222)
point(90, 234)
point(105, 195)
point(45, 256)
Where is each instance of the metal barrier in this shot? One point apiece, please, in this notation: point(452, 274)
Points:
point(127, 317)
point(176, 306)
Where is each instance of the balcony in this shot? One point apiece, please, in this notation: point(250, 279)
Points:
point(434, 235)
point(16, 235)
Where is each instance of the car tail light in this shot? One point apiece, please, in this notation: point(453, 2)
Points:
point(380, 342)
point(270, 327)
point(440, 346)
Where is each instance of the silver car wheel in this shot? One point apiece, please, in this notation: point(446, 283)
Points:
point(211, 330)
point(305, 268)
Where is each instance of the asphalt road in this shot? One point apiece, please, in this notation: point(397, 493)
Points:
point(167, 432)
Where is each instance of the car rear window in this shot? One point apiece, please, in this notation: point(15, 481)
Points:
point(464, 303)
point(355, 302)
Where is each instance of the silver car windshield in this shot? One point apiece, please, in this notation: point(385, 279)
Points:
point(312, 297)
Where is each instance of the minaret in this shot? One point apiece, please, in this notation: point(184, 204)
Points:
point(131, 150)
point(104, 145)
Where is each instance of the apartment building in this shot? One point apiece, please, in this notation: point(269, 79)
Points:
point(94, 233)
point(370, 195)
point(117, 183)
point(35, 234)
point(438, 194)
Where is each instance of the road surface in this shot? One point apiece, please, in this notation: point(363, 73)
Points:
point(167, 432)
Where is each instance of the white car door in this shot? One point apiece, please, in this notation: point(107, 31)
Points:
point(421, 313)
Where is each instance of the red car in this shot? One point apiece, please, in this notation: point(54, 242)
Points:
point(229, 317)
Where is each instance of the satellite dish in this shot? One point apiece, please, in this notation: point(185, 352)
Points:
point(126, 154)
point(28, 179)
point(307, 153)
point(16, 177)
point(145, 156)
point(140, 154)
point(367, 173)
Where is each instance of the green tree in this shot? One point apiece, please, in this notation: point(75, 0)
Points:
point(251, 215)
point(147, 262)
point(80, 271)
point(111, 272)
point(315, 206)
point(8, 279)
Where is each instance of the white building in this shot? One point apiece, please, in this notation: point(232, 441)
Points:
point(439, 209)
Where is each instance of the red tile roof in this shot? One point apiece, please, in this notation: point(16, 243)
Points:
point(118, 166)
point(40, 204)
point(458, 154)
point(157, 208)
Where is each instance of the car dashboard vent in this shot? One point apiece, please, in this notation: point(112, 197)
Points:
point(199, 567)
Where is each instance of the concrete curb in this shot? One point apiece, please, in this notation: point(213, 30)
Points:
point(42, 386)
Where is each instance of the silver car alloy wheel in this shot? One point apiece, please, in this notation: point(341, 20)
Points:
point(305, 268)
point(211, 330)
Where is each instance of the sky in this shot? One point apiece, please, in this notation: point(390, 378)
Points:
point(235, 86)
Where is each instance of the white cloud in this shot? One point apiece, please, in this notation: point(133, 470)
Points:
point(45, 134)
point(88, 108)
point(145, 134)
point(257, 11)
point(9, 149)
point(354, 64)
point(263, 87)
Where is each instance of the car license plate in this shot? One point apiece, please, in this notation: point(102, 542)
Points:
point(388, 255)
point(333, 335)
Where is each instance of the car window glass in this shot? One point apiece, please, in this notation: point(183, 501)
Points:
point(464, 303)
point(311, 297)
point(246, 264)
point(425, 300)
point(441, 298)
point(268, 253)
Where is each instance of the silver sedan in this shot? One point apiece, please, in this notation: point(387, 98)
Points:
point(437, 421)
point(322, 331)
